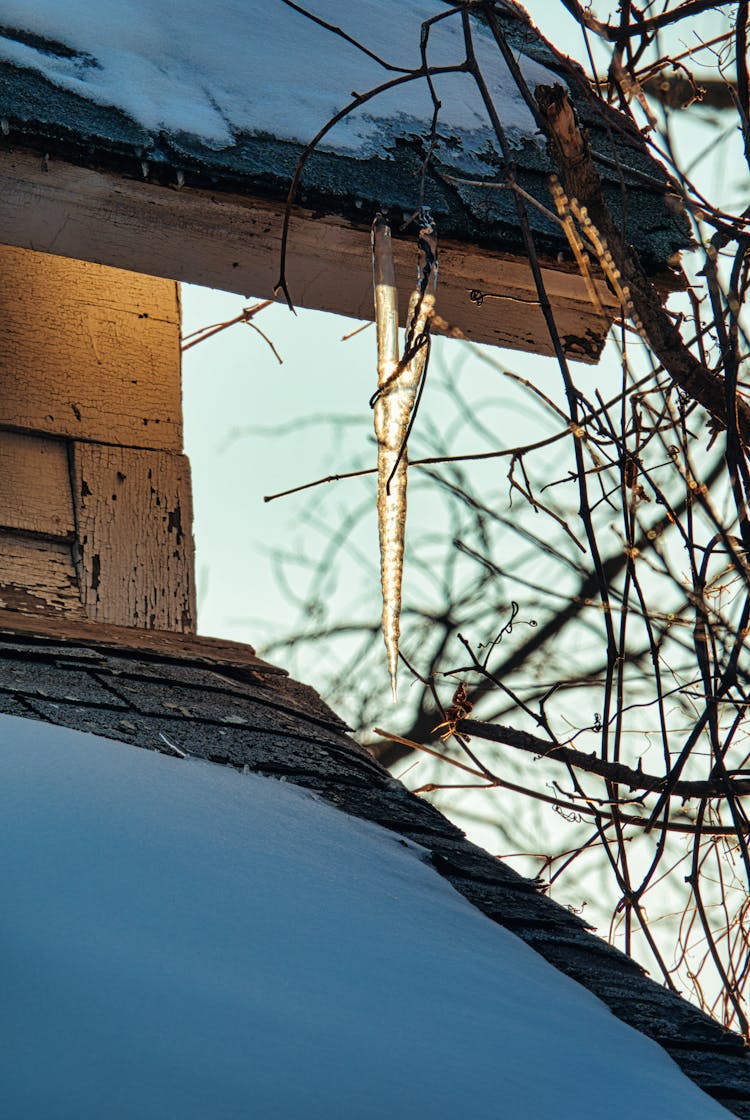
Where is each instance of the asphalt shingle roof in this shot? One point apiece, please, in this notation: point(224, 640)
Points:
point(261, 720)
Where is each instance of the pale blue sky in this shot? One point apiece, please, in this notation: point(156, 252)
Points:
point(233, 381)
point(233, 385)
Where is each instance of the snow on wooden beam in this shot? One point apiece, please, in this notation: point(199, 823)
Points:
point(225, 241)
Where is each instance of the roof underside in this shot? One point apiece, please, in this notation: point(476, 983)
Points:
point(62, 93)
point(250, 716)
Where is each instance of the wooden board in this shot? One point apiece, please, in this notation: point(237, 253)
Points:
point(216, 652)
point(88, 352)
point(134, 527)
point(225, 241)
point(38, 577)
point(35, 485)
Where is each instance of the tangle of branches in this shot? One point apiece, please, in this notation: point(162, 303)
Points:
point(580, 644)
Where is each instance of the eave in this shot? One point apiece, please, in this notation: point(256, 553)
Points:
point(88, 181)
point(221, 239)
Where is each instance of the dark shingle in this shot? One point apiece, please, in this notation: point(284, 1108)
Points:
point(160, 703)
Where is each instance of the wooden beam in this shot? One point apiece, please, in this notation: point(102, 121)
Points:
point(88, 352)
point(214, 652)
point(38, 577)
point(134, 536)
point(35, 493)
point(230, 242)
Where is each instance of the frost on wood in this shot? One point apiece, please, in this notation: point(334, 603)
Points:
point(398, 384)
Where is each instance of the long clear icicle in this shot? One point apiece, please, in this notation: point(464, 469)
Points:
point(398, 382)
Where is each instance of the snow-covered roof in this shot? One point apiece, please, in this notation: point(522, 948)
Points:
point(211, 85)
point(224, 97)
point(218, 71)
point(181, 939)
point(239, 839)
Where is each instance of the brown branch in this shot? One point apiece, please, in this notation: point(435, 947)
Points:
point(675, 90)
point(570, 150)
point(580, 808)
point(244, 316)
point(614, 772)
point(742, 98)
point(617, 33)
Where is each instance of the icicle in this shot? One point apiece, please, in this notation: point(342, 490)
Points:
point(398, 382)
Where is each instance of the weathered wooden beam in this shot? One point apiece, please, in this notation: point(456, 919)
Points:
point(96, 522)
point(38, 577)
point(134, 536)
point(230, 242)
point(35, 494)
point(88, 352)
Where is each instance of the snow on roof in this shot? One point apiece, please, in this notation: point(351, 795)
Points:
point(259, 67)
point(225, 96)
point(181, 939)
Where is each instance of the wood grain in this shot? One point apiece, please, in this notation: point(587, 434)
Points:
point(134, 518)
point(230, 242)
point(35, 490)
point(88, 352)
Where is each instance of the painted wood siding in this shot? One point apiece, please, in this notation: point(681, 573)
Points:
point(95, 495)
point(88, 352)
point(134, 538)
